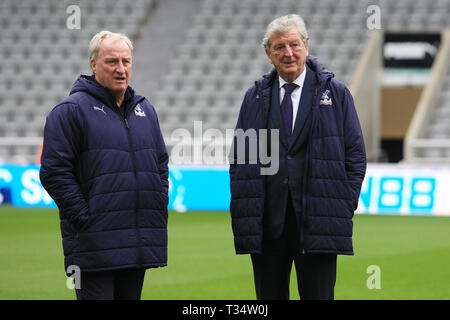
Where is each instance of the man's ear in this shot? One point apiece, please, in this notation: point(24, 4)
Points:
point(93, 65)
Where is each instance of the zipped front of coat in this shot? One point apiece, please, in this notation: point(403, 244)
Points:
point(316, 101)
point(264, 97)
point(261, 98)
point(133, 161)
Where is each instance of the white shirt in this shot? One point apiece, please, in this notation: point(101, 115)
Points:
point(295, 95)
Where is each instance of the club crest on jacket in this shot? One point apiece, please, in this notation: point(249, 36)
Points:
point(326, 100)
point(138, 111)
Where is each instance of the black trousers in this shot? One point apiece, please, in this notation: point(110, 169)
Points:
point(124, 284)
point(316, 273)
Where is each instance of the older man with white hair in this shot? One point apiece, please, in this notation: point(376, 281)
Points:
point(105, 164)
point(303, 213)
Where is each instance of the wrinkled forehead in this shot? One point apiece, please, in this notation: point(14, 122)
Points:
point(114, 47)
point(292, 34)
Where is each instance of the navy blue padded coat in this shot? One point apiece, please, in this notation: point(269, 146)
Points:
point(108, 174)
point(334, 170)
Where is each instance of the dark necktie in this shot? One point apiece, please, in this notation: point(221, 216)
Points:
point(286, 108)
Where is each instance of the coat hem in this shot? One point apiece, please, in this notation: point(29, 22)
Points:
point(249, 252)
point(127, 266)
point(318, 251)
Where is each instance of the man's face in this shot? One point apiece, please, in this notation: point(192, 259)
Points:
point(288, 54)
point(113, 66)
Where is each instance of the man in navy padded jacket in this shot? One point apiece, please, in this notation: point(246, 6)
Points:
point(302, 213)
point(105, 164)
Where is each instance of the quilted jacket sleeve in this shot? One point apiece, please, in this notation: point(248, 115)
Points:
point(163, 162)
point(164, 170)
point(233, 156)
point(355, 154)
point(62, 146)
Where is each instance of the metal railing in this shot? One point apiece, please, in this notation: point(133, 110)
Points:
point(26, 158)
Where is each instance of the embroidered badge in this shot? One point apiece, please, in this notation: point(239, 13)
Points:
point(326, 100)
point(138, 111)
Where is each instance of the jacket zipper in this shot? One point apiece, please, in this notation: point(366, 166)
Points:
point(305, 179)
point(308, 164)
point(133, 160)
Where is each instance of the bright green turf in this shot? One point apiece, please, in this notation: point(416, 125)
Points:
point(413, 253)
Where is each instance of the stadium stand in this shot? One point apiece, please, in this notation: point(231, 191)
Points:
point(41, 58)
point(427, 139)
point(222, 55)
point(219, 58)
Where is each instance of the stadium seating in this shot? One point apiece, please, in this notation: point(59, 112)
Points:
point(222, 56)
point(219, 59)
point(439, 125)
point(41, 58)
point(428, 136)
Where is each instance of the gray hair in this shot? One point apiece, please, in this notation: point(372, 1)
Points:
point(284, 24)
point(96, 41)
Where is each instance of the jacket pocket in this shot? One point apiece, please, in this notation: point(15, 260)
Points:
point(82, 223)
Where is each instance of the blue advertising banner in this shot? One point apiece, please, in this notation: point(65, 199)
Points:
point(387, 188)
point(25, 186)
point(199, 188)
point(190, 188)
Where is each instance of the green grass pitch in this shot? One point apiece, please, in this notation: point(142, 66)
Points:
point(412, 253)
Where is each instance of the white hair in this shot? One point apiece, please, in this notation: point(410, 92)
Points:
point(282, 25)
point(96, 41)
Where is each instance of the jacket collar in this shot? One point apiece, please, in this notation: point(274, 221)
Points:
point(322, 74)
point(88, 84)
point(264, 84)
